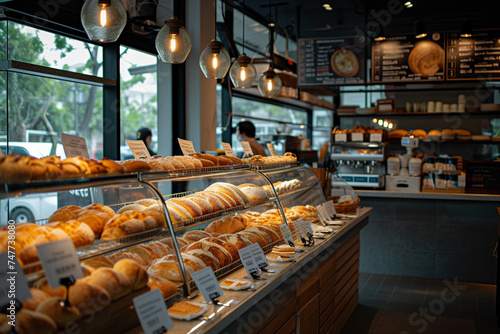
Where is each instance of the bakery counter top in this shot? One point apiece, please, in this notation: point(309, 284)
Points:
point(429, 195)
point(228, 318)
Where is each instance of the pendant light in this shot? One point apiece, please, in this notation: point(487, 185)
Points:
point(173, 42)
point(270, 83)
point(243, 72)
point(214, 60)
point(419, 29)
point(103, 20)
point(466, 30)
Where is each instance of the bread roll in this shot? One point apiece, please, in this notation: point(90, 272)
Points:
point(166, 287)
point(38, 169)
point(176, 163)
point(99, 207)
point(146, 254)
point(135, 273)
point(128, 223)
point(113, 167)
point(37, 297)
point(99, 262)
point(65, 213)
point(115, 283)
point(434, 133)
point(80, 233)
point(168, 268)
point(206, 163)
point(62, 315)
point(43, 284)
point(234, 160)
point(28, 322)
point(95, 219)
point(208, 157)
point(226, 226)
point(14, 169)
point(136, 165)
point(127, 255)
point(147, 202)
point(254, 193)
point(43, 235)
point(419, 133)
point(88, 298)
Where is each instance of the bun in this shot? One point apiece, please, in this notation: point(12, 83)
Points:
point(168, 268)
point(87, 298)
point(95, 219)
point(65, 213)
point(99, 262)
point(29, 322)
point(419, 133)
point(434, 133)
point(113, 167)
point(134, 272)
point(101, 208)
point(128, 223)
point(398, 134)
point(166, 287)
point(136, 165)
point(81, 234)
point(54, 308)
point(226, 226)
point(115, 283)
point(37, 297)
point(129, 256)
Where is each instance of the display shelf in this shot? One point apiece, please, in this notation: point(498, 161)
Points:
point(439, 142)
point(276, 167)
point(425, 114)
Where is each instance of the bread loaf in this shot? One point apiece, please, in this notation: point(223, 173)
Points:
point(65, 213)
point(168, 268)
point(135, 273)
point(225, 226)
point(113, 167)
point(99, 207)
point(146, 254)
point(136, 165)
point(95, 219)
point(127, 255)
point(37, 297)
point(196, 235)
point(205, 206)
point(28, 322)
point(215, 249)
point(159, 249)
point(128, 223)
point(43, 234)
point(166, 287)
point(115, 283)
point(231, 249)
point(236, 240)
point(254, 193)
point(230, 190)
point(62, 315)
point(208, 258)
point(14, 169)
point(99, 262)
point(88, 298)
point(192, 207)
point(216, 203)
point(80, 233)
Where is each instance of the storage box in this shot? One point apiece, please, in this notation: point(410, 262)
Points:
point(410, 184)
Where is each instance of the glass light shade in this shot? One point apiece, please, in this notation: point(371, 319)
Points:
point(243, 72)
point(269, 84)
point(173, 42)
point(103, 20)
point(215, 61)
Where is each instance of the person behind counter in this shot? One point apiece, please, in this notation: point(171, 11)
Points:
point(145, 135)
point(245, 131)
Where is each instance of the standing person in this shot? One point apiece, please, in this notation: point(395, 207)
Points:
point(246, 132)
point(145, 135)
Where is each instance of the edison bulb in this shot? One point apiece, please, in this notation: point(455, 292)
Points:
point(173, 43)
point(243, 74)
point(386, 124)
point(380, 122)
point(215, 62)
point(270, 85)
point(103, 17)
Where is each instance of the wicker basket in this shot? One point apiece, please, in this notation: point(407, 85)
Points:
point(345, 208)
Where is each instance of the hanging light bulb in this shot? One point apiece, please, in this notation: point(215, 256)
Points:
point(269, 83)
point(214, 60)
point(173, 42)
point(243, 72)
point(103, 20)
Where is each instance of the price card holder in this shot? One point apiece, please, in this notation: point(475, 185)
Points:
point(260, 258)
point(11, 273)
point(323, 213)
point(376, 137)
point(356, 136)
point(152, 312)
point(309, 231)
point(340, 137)
point(287, 235)
point(228, 149)
point(208, 285)
point(74, 146)
point(299, 228)
point(271, 149)
point(187, 147)
point(60, 264)
point(138, 148)
point(331, 209)
point(247, 148)
point(248, 260)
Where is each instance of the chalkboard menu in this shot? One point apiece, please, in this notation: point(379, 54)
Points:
point(483, 177)
point(475, 57)
point(406, 58)
point(330, 61)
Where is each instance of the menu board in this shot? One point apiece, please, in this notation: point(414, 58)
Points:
point(330, 61)
point(474, 57)
point(407, 58)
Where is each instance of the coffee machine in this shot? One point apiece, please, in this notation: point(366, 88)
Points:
point(361, 164)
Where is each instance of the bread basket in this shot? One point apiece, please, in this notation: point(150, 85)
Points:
point(345, 208)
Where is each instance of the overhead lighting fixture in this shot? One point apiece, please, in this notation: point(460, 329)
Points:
point(214, 60)
point(173, 42)
point(419, 29)
point(381, 35)
point(408, 4)
point(327, 6)
point(243, 72)
point(103, 20)
point(269, 83)
point(466, 30)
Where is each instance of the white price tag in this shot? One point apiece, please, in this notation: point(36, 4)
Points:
point(246, 256)
point(207, 283)
point(461, 181)
point(247, 148)
point(152, 312)
point(307, 227)
point(74, 146)
point(228, 149)
point(187, 147)
point(331, 209)
point(323, 212)
point(376, 137)
point(271, 148)
point(13, 285)
point(299, 228)
point(340, 137)
point(259, 256)
point(138, 148)
point(59, 261)
point(287, 234)
point(356, 136)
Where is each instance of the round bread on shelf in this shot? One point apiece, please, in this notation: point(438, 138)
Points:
point(215, 201)
point(208, 258)
point(159, 249)
point(114, 258)
point(205, 206)
point(253, 192)
point(167, 267)
point(88, 298)
point(65, 213)
point(226, 200)
point(266, 232)
point(99, 207)
point(28, 322)
point(80, 233)
point(136, 165)
point(196, 235)
point(62, 315)
point(215, 249)
point(99, 262)
point(231, 190)
point(43, 234)
point(95, 219)
point(128, 223)
point(114, 167)
point(147, 202)
point(166, 287)
point(134, 272)
point(177, 213)
point(231, 249)
point(37, 297)
point(145, 253)
point(237, 241)
point(254, 237)
point(131, 207)
point(157, 216)
point(225, 226)
point(115, 283)
point(177, 164)
point(190, 206)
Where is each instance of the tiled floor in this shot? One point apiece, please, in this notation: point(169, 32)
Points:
point(406, 305)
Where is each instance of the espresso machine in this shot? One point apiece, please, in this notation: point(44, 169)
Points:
point(360, 164)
